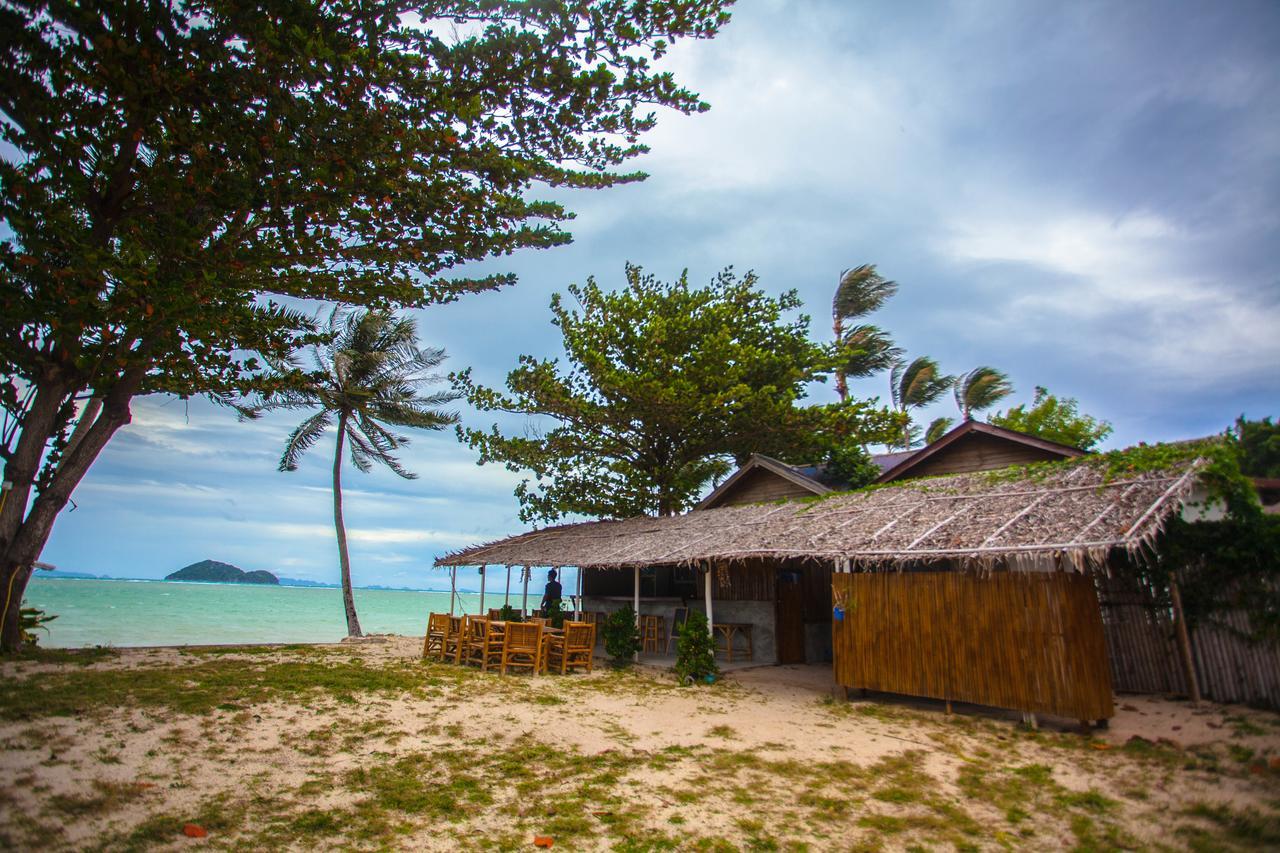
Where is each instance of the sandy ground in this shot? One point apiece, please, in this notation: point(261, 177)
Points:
point(289, 755)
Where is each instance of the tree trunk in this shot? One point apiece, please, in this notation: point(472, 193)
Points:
point(23, 535)
point(348, 599)
point(842, 382)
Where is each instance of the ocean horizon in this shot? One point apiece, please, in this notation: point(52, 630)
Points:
point(154, 612)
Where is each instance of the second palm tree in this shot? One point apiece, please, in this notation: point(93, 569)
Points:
point(368, 374)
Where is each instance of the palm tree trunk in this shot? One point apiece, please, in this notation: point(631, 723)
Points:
point(348, 600)
point(842, 382)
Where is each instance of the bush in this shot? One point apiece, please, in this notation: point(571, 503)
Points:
point(621, 636)
point(695, 650)
point(32, 619)
point(555, 612)
point(509, 614)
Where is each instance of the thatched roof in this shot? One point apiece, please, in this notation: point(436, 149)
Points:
point(1073, 513)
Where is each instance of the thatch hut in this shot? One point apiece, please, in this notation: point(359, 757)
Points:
point(975, 587)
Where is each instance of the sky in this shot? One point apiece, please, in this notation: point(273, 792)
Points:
point(1083, 195)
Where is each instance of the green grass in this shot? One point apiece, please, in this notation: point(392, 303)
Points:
point(204, 687)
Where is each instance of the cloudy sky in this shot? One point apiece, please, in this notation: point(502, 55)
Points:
point(1083, 194)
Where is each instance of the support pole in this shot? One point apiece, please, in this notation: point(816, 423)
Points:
point(706, 592)
point(577, 607)
point(506, 598)
point(482, 590)
point(524, 602)
point(1184, 642)
point(637, 604)
point(453, 587)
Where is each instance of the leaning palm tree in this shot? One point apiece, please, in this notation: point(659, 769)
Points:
point(861, 350)
point(980, 389)
point(915, 384)
point(368, 374)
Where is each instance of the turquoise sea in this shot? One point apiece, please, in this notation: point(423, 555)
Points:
point(166, 613)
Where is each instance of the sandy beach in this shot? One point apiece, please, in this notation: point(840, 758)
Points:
point(367, 746)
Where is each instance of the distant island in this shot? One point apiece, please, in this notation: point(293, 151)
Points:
point(212, 571)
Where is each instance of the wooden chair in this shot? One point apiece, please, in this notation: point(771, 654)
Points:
point(677, 625)
point(433, 643)
point(574, 648)
point(451, 649)
point(483, 643)
point(495, 613)
point(522, 647)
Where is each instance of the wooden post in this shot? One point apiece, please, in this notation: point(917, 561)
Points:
point(706, 592)
point(577, 607)
point(482, 590)
point(524, 602)
point(506, 598)
point(637, 604)
point(1184, 642)
point(453, 587)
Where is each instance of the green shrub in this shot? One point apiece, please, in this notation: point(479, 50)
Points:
point(621, 636)
point(32, 619)
point(509, 614)
point(695, 649)
point(555, 612)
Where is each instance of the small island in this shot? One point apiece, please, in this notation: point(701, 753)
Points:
point(212, 571)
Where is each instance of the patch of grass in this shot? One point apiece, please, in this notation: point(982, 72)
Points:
point(202, 688)
point(79, 657)
point(722, 731)
point(105, 797)
point(1228, 828)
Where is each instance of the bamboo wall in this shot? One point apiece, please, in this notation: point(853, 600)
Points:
point(1031, 642)
point(1144, 653)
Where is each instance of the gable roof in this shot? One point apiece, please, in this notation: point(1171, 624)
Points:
point(971, 427)
point(1073, 514)
point(759, 461)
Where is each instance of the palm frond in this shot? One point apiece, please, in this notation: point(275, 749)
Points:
point(302, 438)
point(919, 383)
point(861, 290)
point(980, 389)
point(937, 429)
point(866, 350)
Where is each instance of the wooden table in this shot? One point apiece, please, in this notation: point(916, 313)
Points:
point(729, 630)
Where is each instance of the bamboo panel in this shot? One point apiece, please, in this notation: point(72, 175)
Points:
point(1031, 642)
point(1144, 655)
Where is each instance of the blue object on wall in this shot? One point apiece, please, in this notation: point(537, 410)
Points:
point(837, 613)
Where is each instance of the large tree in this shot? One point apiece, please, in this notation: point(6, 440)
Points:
point(368, 374)
point(1055, 418)
point(665, 385)
point(170, 170)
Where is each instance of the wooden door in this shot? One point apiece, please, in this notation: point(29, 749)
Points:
point(789, 623)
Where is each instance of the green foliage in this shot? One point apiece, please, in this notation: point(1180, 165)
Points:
point(913, 385)
point(980, 389)
point(555, 612)
point(665, 385)
point(695, 649)
point(370, 371)
point(851, 466)
point(621, 635)
point(1259, 446)
point(170, 172)
point(937, 428)
point(32, 619)
point(1056, 420)
point(507, 613)
point(863, 349)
